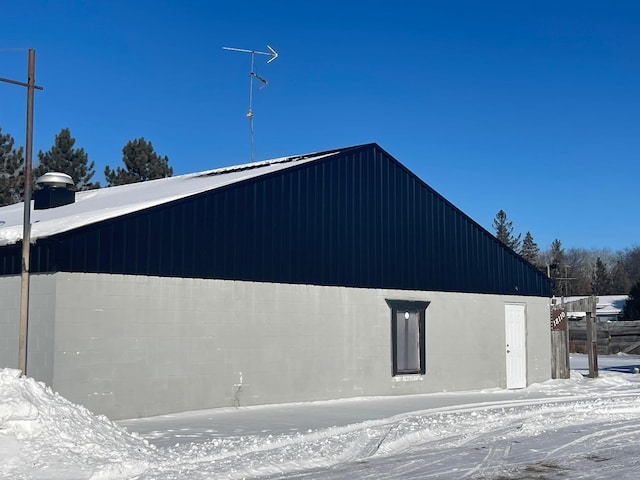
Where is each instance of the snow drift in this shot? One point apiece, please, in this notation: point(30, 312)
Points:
point(58, 439)
point(578, 428)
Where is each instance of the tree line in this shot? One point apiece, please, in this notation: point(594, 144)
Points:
point(579, 271)
point(140, 160)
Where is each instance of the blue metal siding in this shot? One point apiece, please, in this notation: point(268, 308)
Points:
point(357, 219)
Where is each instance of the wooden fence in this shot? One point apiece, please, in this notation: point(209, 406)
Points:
point(612, 337)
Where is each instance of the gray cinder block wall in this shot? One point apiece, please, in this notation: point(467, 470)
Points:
point(132, 346)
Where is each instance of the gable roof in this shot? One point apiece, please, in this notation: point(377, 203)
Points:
point(352, 217)
point(92, 206)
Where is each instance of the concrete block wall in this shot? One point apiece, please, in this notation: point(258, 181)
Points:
point(129, 346)
point(41, 324)
point(9, 321)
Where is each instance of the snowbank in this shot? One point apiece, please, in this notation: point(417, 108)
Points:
point(575, 429)
point(59, 439)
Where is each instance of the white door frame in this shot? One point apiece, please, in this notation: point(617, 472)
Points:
point(516, 345)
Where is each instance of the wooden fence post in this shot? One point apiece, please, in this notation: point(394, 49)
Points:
point(559, 344)
point(592, 338)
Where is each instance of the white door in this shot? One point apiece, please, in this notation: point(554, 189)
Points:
point(516, 346)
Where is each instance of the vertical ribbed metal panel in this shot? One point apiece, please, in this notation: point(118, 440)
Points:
point(10, 259)
point(358, 218)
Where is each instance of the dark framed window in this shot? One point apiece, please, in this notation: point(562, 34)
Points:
point(408, 336)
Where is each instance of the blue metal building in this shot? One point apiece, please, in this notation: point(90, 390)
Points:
point(355, 217)
point(328, 275)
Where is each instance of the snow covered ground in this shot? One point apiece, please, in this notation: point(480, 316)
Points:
point(580, 428)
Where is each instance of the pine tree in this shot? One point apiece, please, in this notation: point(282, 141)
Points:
point(530, 249)
point(504, 231)
point(141, 163)
point(11, 171)
point(601, 282)
point(557, 253)
point(631, 309)
point(62, 157)
point(556, 267)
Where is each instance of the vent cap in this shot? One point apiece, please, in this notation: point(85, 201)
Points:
point(55, 190)
point(55, 180)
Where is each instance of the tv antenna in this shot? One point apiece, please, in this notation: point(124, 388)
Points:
point(271, 53)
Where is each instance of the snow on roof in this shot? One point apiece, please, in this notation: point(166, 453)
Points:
point(93, 206)
point(607, 304)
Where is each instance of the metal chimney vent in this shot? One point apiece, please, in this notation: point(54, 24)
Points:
point(56, 189)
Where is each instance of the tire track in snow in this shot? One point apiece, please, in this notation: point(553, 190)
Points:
point(480, 438)
point(572, 454)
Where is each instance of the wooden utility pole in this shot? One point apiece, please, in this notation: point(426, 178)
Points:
point(26, 227)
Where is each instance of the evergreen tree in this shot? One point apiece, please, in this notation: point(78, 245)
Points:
point(11, 171)
point(504, 231)
point(141, 163)
point(530, 249)
point(557, 254)
point(65, 159)
point(601, 282)
point(556, 267)
point(631, 309)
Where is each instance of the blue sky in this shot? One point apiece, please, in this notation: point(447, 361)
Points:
point(531, 106)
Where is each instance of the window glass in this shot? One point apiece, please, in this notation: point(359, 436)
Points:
point(408, 336)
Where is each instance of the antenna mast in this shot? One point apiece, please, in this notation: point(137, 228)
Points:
point(271, 53)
